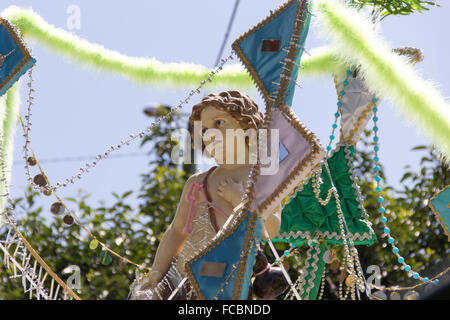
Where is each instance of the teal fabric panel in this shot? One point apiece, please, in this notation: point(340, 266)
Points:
point(441, 206)
point(11, 64)
point(228, 251)
point(267, 64)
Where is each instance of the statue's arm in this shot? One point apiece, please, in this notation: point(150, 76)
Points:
point(173, 239)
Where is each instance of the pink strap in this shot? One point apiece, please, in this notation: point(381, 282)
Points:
point(212, 204)
point(190, 197)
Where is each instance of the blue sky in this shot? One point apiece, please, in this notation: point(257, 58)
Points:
point(81, 112)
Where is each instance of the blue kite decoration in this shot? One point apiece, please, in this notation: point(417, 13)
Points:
point(15, 59)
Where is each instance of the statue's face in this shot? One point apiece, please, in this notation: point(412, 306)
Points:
point(216, 124)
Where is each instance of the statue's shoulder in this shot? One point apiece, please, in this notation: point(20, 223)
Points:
point(197, 177)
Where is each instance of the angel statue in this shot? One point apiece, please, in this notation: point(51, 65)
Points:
point(208, 200)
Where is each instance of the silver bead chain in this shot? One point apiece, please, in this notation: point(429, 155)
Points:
point(123, 143)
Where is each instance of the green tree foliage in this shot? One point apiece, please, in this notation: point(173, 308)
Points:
point(383, 8)
point(133, 231)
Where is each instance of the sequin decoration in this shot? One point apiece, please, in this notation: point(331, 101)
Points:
point(57, 208)
point(40, 180)
point(68, 220)
point(105, 257)
point(31, 161)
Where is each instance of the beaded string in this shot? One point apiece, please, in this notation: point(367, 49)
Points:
point(286, 254)
point(380, 199)
point(395, 288)
point(351, 258)
point(51, 189)
point(123, 143)
point(322, 284)
point(48, 191)
point(315, 177)
point(339, 110)
point(299, 282)
point(382, 210)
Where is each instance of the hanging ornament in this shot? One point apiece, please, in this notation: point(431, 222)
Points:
point(395, 296)
point(57, 208)
point(330, 256)
point(47, 192)
point(335, 265)
point(411, 295)
point(105, 257)
point(40, 180)
point(93, 244)
point(68, 220)
point(350, 280)
point(31, 161)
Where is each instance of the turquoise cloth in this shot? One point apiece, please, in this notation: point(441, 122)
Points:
point(229, 251)
point(265, 66)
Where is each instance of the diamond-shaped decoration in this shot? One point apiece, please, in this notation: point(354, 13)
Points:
point(15, 59)
point(274, 47)
point(357, 104)
point(278, 178)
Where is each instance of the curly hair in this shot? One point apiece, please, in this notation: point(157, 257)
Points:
point(239, 105)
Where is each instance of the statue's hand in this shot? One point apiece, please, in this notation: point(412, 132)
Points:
point(231, 191)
